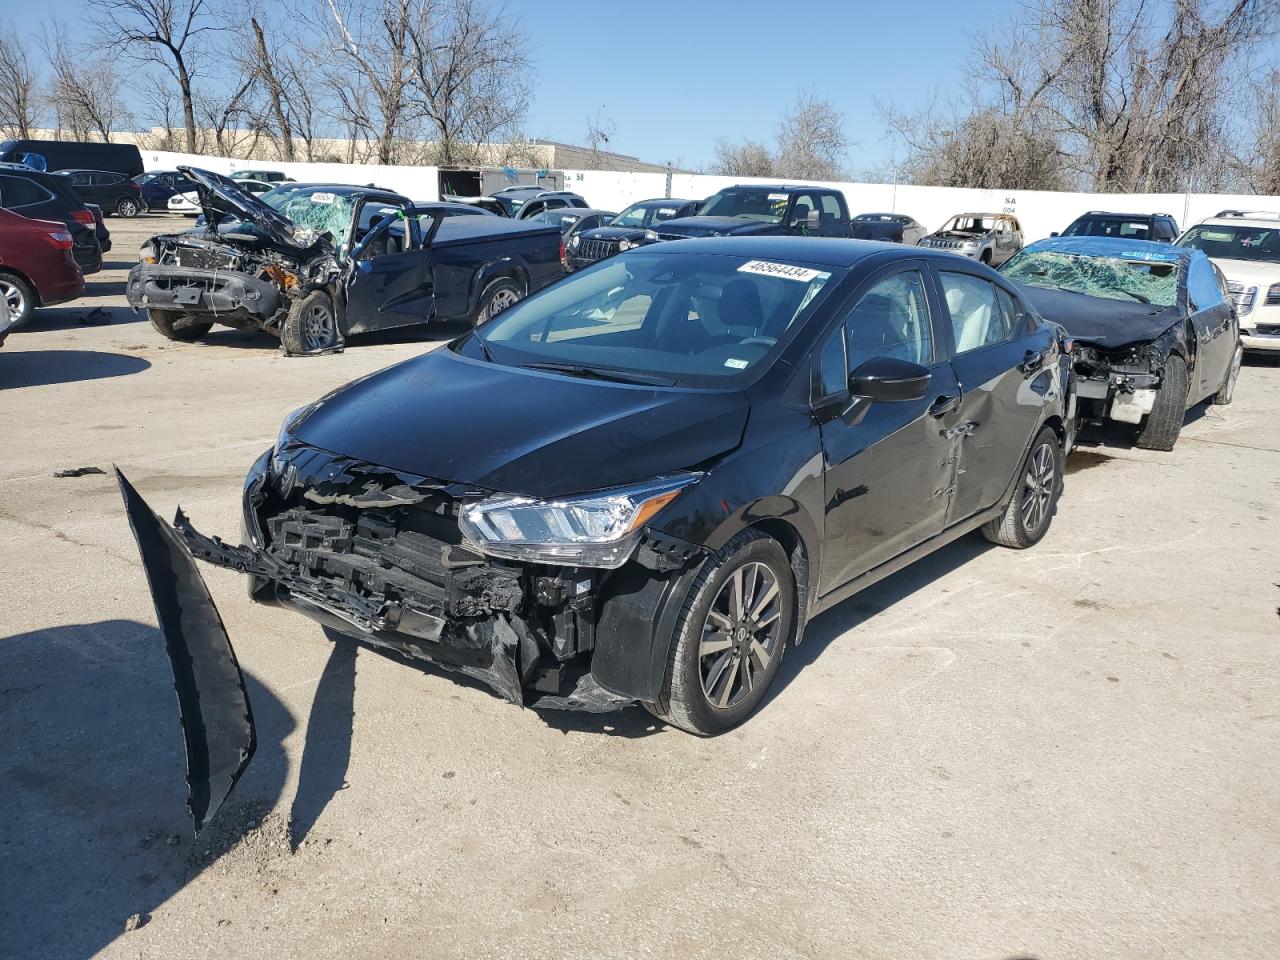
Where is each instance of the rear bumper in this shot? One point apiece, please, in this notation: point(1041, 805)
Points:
point(1265, 339)
point(88, 257)
point(195, 290)
point(62, 288)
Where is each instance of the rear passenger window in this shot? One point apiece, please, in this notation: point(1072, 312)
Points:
point(830, 206)
point(977, 317)
point(1012, 312)
point(1202, 285)
point(19, 192)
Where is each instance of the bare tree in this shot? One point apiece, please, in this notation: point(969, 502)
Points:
point(750, 158)
point(18, 88)
point(375, 38)
point(811, 143)
point(85, 90)
point(470, 68)
point(600, 133)
point(1258, 163)
point(168, 33)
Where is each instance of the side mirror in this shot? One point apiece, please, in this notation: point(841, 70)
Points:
point(889, 379)
point(812, 221)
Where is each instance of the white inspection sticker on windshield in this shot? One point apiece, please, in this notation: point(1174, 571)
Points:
point(322, 198)
point(737, 364)
point(788, 271)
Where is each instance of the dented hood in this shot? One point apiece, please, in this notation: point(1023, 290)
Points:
point(521, 431)
point(1100, 320)
point(220, 197)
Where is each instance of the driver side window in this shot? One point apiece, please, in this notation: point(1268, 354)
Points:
point(890, 320)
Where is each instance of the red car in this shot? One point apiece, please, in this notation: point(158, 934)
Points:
point(36, 267)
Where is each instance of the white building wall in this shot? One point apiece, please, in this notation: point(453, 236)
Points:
point(1040, 212)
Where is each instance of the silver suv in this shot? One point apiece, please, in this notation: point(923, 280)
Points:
point(990, 237)
point(1245, 245)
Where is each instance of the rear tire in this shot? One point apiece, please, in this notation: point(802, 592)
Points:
point(21, 298)
point(497, 296)
point(1029, 513)
point(175, 325)
point(1163, 424)
point(312, 325)
point(128, 208)
point(734, 628)
point(1226, 393)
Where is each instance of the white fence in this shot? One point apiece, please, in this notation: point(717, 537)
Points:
point(1041, 212)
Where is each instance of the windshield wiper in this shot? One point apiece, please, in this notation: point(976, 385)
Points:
point(600, 373)
point(484, 348)
point(1137, 296)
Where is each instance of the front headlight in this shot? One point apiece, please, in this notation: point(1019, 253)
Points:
point(286, 434)
point(591, 530)
point(573, 242)
point(651, 236)
point(624, 245)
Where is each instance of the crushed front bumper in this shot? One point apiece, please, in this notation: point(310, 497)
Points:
point(198, 290)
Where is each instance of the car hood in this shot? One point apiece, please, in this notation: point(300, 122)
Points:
point(714, 227)
point(1249, 272)
point(613, 233)
point(1098, 320)
point(219, 197)
point(519, 431)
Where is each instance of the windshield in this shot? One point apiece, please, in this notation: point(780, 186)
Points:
point(969, 223)
point(557, 218)
point(1259, 244)
point(1109, 227)
point(640, 215)
point(747, 205)
point(662, 317)
point(1114, 278)
point(313, 208)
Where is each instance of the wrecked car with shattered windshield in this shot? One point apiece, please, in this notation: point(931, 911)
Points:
point(1154, 330)
point(321, 263)
point(639, 484)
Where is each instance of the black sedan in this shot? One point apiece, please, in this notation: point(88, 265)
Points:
point(629, 229)
point(642, 482)
point(47, 196)
point(1154, 328)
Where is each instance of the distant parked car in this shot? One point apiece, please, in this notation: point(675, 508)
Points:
point(266, 176)
point(159, 185)
point(113, 192)
point(522, 203)
point(892, 227)
point(46, 196)
point(631, 228)
point(1153, 327)
point(185, 204)
point(1159, 227)
point(36, 267)
point(75, 155)
point(1245, 246)
point(762, 210)
point(990, 237)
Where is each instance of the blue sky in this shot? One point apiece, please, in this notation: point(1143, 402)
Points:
point(673, 76)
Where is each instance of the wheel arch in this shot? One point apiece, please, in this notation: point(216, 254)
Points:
point(7, 270)
point(498, 269)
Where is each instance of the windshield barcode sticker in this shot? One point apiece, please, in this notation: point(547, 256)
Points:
point(788, 271)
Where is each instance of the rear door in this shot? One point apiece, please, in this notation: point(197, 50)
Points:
point(888, 465)
point(999, 355)
point(389, 281)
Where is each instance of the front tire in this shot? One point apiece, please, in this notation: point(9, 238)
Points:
point(127, 208)
point(311, 326)
point(1163, 424)
point(1226, 393)
point(497, 296)
point(1026, 519)
point(175, 325)
point(20, 297)
point(737, 620)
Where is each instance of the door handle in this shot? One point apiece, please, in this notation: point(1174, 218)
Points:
point(1032, 361)
point(943, 404)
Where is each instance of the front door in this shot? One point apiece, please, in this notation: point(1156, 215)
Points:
point(1214, 324)
point(389, 279)
point(1001, 360)
point(888, 465)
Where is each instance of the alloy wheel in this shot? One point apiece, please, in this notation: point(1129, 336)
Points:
point(127, 208)
point(1037, 492)
point(741, 635)
point(501, 300)
point(12, 294)
point(317, 327)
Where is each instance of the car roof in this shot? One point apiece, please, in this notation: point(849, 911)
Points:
point(114, 173)
point(1253, 218)
point(818, 251)
point(662, 202)
point(1121, 216)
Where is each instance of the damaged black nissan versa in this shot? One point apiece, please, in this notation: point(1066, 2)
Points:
point(1154, 328)
point(331, 262)
point(642, 482)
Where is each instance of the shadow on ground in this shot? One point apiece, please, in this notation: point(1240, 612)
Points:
point(39, 368)
point(94, 827)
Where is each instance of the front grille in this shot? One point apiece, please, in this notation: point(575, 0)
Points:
point(591, 249)
point(205, 259)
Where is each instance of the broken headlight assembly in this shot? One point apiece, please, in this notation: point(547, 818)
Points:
point(591, 530)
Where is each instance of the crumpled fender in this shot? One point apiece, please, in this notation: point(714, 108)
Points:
point(217, 721)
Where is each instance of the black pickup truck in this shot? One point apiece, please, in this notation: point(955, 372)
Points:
point(751, 210)
point(331, 261)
